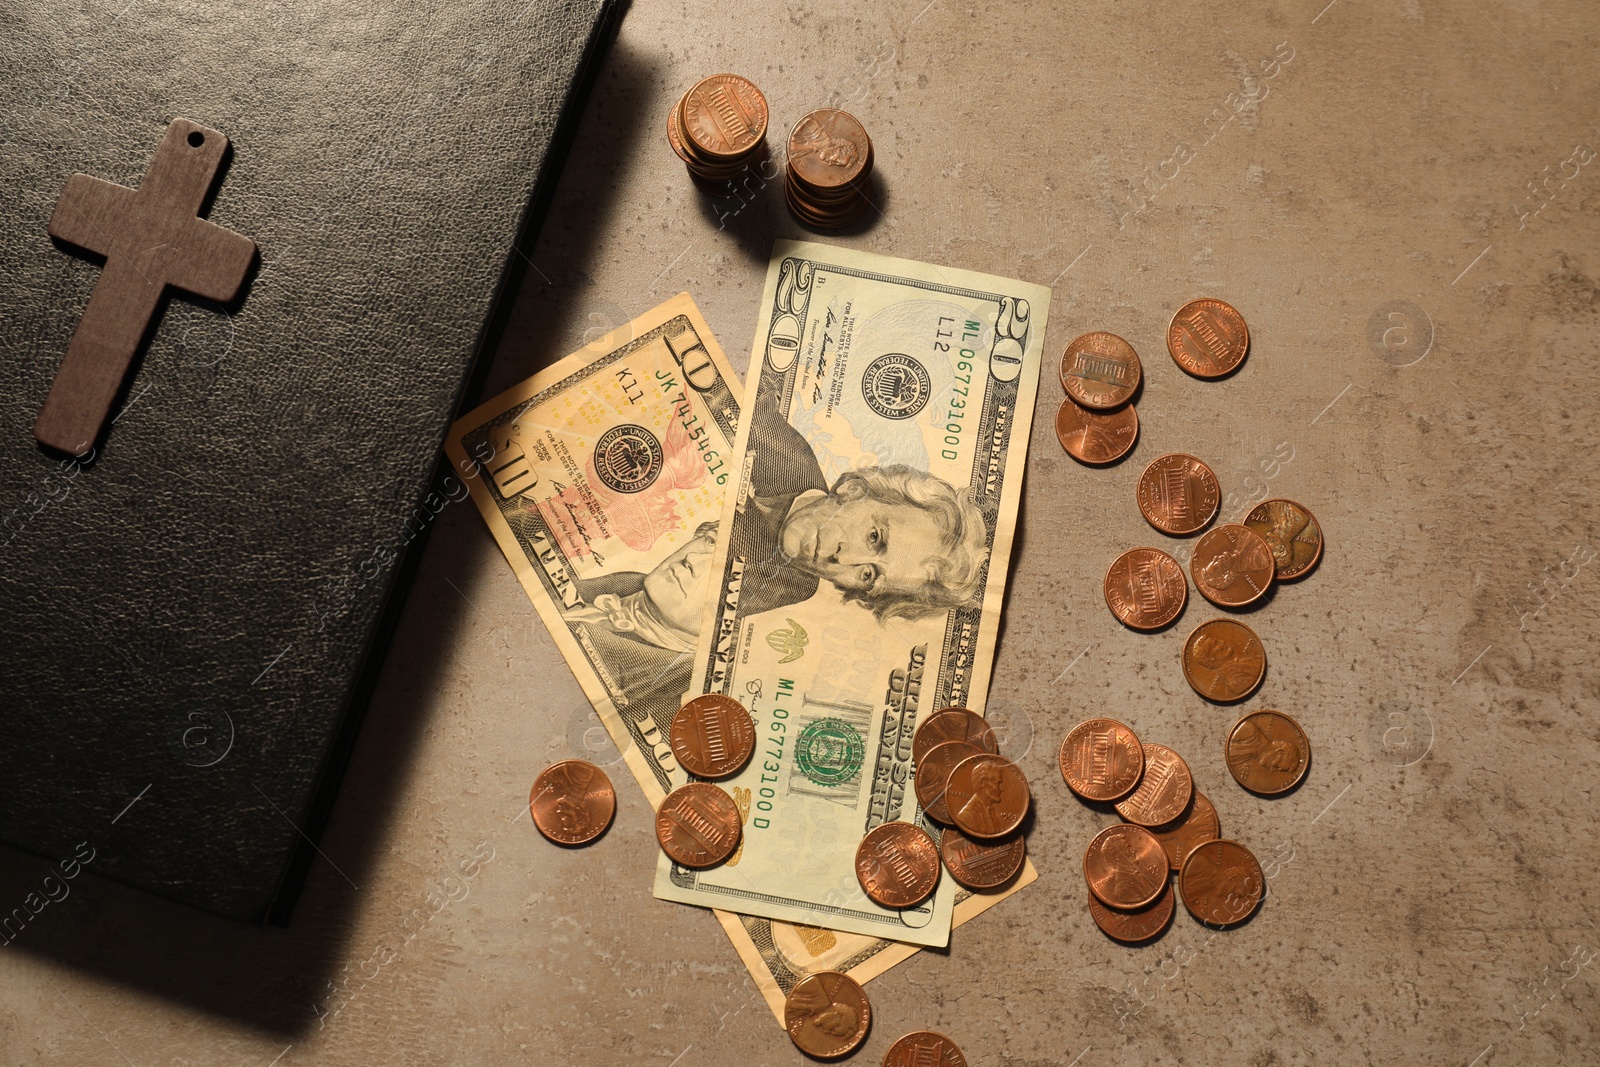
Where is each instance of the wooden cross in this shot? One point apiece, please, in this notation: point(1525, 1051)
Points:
point(151, 237)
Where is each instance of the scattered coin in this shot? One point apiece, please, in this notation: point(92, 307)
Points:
point(897, 864)
point(1224, 660)
point(924, 1048)
point(827, 1015)
point(1145, 588)
point(1100, 370)
point(828, 179)
point(1134, 926)
point(718, 128)
point(1096, 437)
point(981, 864)
point(1267, 752)
point(953, 724)
point(1163, 791)
point(713, 736)
point(1193, 828)
point(987, 796)
point(1178, 494)
point(1101, 759)
point(931, 775)
point(1232, 566)
point(1125, 866)
point(698, 825)
point(1221, 882)
point(572, 802)
point(1293, 534)
point(1208, 338)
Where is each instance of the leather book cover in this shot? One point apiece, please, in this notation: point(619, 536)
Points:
point(191, 616)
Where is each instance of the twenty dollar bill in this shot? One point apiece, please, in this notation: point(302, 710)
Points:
point(861, 562)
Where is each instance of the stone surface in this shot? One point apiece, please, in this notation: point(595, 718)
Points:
point(1431, 884)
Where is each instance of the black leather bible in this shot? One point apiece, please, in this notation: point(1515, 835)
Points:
point(191, 615)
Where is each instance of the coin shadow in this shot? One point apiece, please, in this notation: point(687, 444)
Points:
point(751, 211)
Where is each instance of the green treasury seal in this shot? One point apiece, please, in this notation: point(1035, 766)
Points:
point(829, 752)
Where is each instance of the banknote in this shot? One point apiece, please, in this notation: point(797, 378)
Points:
point(860, 563)
point(602, 479)
point(565, 411)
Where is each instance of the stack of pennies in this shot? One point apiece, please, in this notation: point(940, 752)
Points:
point(719, 129)
point(979, 796)
point(828, 180)
point(1097, 423)
point(1166, 823)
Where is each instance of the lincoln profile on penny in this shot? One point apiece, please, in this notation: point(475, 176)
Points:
point(152, 238)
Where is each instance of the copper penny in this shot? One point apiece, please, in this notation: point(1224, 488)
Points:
point(1101, 759)
point(828, 149)
point(1125, 867)
point(722, 116)
point(1145, 588)
point(931, 775)
point(1100, 370)
point(924, 1048)
point(1221, 882)
point(1293, 534)
point(1208, 338)
point(1224, 660)
point(1134, 926)
point(1096, 437)
point(987, 796)
point(981, 864)
point(1267, 752)
point(572, 802)
point(1178, 494)
point(713, 736)
point(675, 133)
point(1232, 566)
point(897, 865)
point(1194, 828)
point(1163, 792)
point(827, 1015)
point(698, 825)
point(953, 724)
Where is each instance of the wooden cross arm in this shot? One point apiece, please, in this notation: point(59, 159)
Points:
point(89, 212)
point(211, 262)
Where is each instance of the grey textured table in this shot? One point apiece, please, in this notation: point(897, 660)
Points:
point(1401, 197)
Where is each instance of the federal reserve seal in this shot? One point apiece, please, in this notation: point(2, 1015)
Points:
point(896, 386)
point(628, 458)
point(830, 751)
